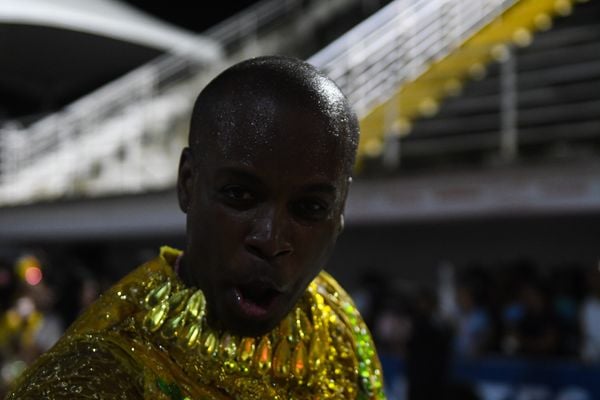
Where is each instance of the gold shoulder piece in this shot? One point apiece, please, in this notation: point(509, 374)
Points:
point(81, 370)
point(370, 376)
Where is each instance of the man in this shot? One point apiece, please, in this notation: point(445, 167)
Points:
point(244, 312)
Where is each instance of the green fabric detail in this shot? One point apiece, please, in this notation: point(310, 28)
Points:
point(170, 389)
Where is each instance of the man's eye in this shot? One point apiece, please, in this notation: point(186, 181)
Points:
point(238, 194)
point(311, 209)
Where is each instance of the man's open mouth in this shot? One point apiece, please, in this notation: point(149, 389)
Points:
point(256, 300)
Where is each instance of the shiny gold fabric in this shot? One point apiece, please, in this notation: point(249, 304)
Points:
point(146, 338)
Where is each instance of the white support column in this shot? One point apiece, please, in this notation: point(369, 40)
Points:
point(509, 133)
point(391, 140)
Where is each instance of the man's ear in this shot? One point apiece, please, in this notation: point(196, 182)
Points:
point(185, 179)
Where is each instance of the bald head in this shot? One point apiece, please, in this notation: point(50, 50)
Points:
point(259, 98)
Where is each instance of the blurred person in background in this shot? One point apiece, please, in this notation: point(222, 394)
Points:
point(79, 284)
point(567, 293)
point(370, 296)
point(245, 312)
point(392, 323)
point(51, 325)
point(429, 349)
point(29, 324)
point(590, 319)
point(512, 309)
point(535, 332)
point(473, 329)
point(8, 284)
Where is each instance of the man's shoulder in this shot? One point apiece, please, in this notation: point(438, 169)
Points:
point(99, 347)
point(348, 332)
point(157, 268)
point(84, 368)
point(328, 284)
point(125, 296)
point(335, 297)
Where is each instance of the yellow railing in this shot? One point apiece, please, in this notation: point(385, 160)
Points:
point(421, 95)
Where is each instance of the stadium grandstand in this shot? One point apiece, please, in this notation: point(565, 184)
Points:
point(477, 187)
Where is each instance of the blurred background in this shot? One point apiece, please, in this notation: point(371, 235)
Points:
point(473, 225)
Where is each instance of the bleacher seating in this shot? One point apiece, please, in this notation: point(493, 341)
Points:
point(557, 92)
point(83, 151)
point(395, 66)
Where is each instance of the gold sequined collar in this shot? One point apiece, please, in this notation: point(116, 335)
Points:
point(311, 351)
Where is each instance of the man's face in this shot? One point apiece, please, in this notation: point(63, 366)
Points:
point(263, 211)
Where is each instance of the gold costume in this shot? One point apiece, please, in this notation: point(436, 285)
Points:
point(146, 338)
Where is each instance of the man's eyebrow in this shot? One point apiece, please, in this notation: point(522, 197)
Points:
point(237, 172)
point(240, 173)
point(320, 187)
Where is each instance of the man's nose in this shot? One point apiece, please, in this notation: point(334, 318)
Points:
point(268, 238)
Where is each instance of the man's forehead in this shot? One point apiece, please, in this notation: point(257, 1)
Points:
point(286, 154)
point(267, 124)
point(302, 116)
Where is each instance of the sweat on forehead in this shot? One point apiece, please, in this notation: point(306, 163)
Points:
point(258, 97)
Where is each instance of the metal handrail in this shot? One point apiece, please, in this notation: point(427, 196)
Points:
point(20, 147)
point(259, 14)
point(49, 132)
point(398, 43)
point(369, 63)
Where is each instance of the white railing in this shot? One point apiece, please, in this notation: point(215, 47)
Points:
point(50, 132)
point(246, 23)
point(45, 145)
point(369, 63)
point(398, 43)
point(271, 26)
point(39, 146)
